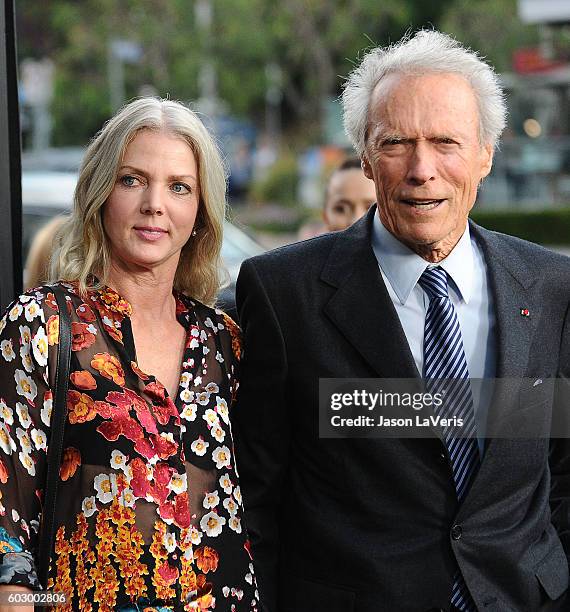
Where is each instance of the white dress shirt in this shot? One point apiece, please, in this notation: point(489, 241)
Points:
point(469, 292)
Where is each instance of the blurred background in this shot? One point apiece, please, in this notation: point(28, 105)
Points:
point(266, 77)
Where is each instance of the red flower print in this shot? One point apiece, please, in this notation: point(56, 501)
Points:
point(139, 481)
point(85, 313)
point(50, 301)
point(83, 379)
point(70, 462)
point(81, 336)
point(168, 573)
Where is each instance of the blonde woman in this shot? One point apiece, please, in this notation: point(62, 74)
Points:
point(149, 509)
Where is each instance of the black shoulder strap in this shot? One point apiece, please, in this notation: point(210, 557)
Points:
point(57, 427)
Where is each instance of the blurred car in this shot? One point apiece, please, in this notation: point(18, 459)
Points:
point(46, 194)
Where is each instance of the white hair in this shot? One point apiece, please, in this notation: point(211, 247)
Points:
point(428, 51)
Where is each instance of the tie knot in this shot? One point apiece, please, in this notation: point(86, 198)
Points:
point(434, 282)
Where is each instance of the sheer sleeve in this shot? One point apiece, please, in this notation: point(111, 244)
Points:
point(25, 409)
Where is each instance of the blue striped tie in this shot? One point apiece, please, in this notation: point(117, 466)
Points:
point(445, 366)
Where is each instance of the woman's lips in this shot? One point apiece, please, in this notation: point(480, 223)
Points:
point(150, 233)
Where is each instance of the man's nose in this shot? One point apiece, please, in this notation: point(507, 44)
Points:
point(152, 201)
point(422, 166)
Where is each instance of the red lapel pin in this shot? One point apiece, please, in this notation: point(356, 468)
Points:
point(525, 312)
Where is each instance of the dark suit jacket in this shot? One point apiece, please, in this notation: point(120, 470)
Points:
point(365, 525)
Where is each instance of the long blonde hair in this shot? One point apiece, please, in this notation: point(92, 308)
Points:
point(84, 250)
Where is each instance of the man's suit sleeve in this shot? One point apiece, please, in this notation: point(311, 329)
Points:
point(261, 426)
point(560, 446)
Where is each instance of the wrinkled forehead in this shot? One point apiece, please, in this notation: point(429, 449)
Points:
point(429, 97)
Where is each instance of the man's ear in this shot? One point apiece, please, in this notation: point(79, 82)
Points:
point(366, 168)
point(486, 160)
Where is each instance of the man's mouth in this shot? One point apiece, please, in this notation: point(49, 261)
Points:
point(423, 203)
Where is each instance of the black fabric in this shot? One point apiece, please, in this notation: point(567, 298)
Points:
point(56, 443)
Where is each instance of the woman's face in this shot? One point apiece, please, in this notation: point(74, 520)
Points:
point(151, 211)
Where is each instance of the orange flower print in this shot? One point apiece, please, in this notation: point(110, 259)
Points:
point(235, 335)
point(82, 335)
point(81, 407)
point(70, 462)
point(135, 368)
point(109, 367)
point(206, 559)
point(83, 379)
point(85, 313)
point(3, 473)
point(53, 329)
point(50, 301)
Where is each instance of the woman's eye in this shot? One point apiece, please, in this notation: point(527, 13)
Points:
point(180, 188)
point(128, 181)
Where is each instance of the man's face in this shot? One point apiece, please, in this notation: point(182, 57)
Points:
point(349, 196)
point(423, 153)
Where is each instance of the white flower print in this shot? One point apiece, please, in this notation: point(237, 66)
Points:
point(24, 440)
point(210, 417)
point(25, 385)
point(219, 357)
point(89, 506)
point(7, 444)
point(27, 462)
point(226, 483)
point(237, 495)
point(212, 387)
point(127, 498)
point(7, 349)
point(212, 524)
point(15, 516)
point(221, 457)
point(197, 381)
point(205, 350)
point(235, 524)
point(45, 412)
point(39, 438)
point(25, 334)
point(203, 335)
point(118, 460)
point(185, 379)
point(218, 433)
point(189, 412)
point(195, 536)
point(40, 347)
point(3, 323)
point(178, 483)
point(211, 500)
point(23, 415)
point(202, 398)
point(230, 505)
point(26, 357)
point(186, 395)
point(15, 312)
point(31, 310)
point(199, 446)
point(106, 486)
point(194, 343)
point(6, 413)
point(222, 409)
point(169, 541)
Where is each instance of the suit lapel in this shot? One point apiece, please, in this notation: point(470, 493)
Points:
point(361, 308)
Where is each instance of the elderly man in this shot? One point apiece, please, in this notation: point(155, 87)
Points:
point(414, 289)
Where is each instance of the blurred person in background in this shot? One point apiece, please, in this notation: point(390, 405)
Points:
point(469, 520)
point(349, 195)
point(36, 269)
point(149, 510)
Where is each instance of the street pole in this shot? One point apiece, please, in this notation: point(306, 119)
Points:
point(10, 165)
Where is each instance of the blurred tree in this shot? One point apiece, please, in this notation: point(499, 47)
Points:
point(491, 27)
point(314, 42)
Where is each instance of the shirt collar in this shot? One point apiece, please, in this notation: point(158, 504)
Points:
point(403, 268)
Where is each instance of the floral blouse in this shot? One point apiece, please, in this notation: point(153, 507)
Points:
point(149, 507)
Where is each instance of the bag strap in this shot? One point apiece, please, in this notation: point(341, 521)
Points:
point(57, 427)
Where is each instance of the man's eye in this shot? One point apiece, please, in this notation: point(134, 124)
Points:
point(180, 188)
point(128, 180)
